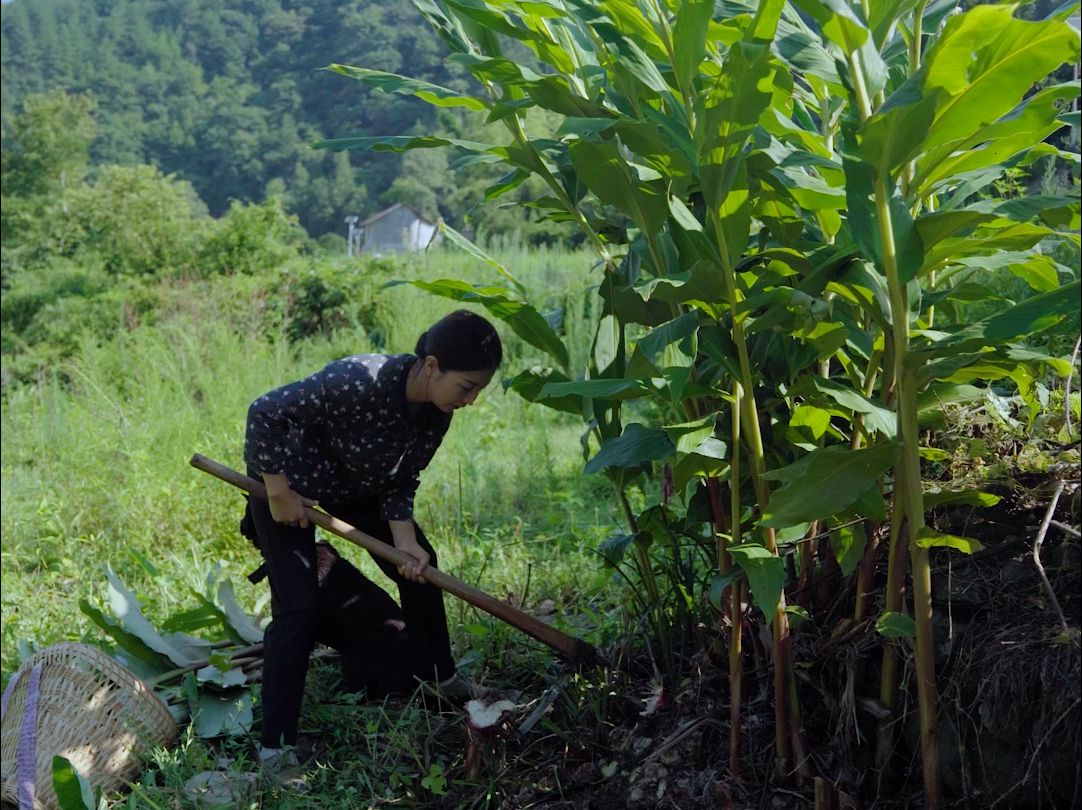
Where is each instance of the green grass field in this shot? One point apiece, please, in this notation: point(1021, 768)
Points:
point(95, 470)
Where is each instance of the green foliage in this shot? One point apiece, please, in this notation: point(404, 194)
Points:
point(133, 219)
point(73, 791)
point(785, 218)
point(229, 96)
point(250, 239)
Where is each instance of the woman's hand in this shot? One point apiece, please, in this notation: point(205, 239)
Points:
point(286, 506)
point(405, 540)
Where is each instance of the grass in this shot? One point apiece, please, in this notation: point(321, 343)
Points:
point(95, 470)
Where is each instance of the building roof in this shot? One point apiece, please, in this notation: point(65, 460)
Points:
point(393, 208)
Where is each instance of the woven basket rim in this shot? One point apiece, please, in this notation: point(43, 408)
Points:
point(141, 707)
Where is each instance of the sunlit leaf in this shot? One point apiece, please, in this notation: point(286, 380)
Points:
point(896, 625)
point(766, 575)
point(848, 543)
point(825, 482)
point(73, 790)
point(524, 320)
point(928, 537)
point(426, 91)
point(967, 497)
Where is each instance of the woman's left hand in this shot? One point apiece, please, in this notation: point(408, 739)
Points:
point(405, 540)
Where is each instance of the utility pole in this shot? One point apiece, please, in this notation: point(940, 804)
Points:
point(354, 236)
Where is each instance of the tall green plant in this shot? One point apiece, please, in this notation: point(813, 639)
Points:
point(783, 206)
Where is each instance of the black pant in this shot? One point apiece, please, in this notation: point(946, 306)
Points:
point(295, 612)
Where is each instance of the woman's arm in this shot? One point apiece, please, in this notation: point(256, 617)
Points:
point(405, 540)
point(286, 506)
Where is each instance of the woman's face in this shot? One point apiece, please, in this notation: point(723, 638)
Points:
point(450, 390)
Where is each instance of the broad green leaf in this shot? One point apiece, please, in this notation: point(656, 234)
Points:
point(825, 482)
point(802, 50)
point(73, 790)
point(178, 648)
point(809, 191)
point(129, 642)
point(838, 22)
point(689, 39)
point(653, 343)
point(462, 243)
point(984, 62)
point(596, 389)
point(896, 625)
point(863, 221)
point(507, 183)
point(807, 425)
point(791, 534)
point(1039, 271)
point(848, 543)
point(876, 417)
point(708, 459)
point(894, 135)
point(426, 91)
point(764, 25)
point(987, 244)
point(1025, 319)
point(931, 402)
point(524, 320)
point(401, 143)
point(688, 435)
point(635, 446)
point(928, 537)
point(239, 621)
point(719, 583)
point(766, 575)
point(939, 225)
point(734, 104)
point(996, 143)
point(701, 287)
point(797, 615)
point(189, 621)
point(614, 548)
point(968, 497)
point(232, 676)
point(871, 504)
point(606, 173)
point(223, 715)
point(529, 383)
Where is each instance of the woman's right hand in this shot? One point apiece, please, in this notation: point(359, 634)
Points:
point(286, 506)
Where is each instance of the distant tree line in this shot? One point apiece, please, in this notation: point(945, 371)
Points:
point(228, 96)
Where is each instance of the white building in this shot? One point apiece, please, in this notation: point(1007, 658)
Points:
point(393, 230)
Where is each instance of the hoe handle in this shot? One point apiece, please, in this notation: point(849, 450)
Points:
point(574, 650)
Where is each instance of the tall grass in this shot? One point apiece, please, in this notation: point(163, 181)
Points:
point(94, 457)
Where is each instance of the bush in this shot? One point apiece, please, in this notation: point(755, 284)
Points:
point(319, 299)
point(134, 219)
point(36, 289)
point(250, 239)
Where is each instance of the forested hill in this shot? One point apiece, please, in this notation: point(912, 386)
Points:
point(229, 94)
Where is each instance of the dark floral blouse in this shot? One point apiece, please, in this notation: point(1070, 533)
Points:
point(347, 432)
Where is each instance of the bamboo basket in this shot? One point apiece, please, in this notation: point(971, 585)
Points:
point(89, 709)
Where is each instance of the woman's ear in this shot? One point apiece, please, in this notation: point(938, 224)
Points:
point(432, 365)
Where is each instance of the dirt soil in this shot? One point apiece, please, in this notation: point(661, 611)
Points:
point(1010, 695)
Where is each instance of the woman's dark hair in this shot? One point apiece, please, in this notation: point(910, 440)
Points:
point(462, 341)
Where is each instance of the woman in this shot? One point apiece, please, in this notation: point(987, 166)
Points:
point(354, 437)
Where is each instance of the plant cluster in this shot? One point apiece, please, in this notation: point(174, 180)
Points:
point(793, 208)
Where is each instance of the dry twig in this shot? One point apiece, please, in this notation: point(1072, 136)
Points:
point(1037, 554)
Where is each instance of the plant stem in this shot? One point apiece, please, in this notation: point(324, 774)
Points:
point(907, 472)
point(753, 439)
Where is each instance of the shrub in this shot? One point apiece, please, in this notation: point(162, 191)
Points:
point(251, 238)
point(134, 219)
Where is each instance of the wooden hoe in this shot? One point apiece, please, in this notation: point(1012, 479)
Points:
point(574, 650)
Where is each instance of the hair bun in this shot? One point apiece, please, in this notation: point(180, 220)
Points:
point(421, 349)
